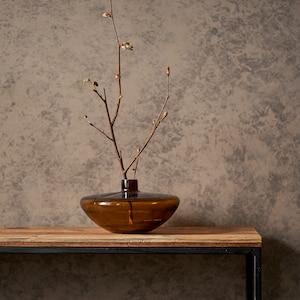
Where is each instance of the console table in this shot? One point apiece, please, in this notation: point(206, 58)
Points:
point(170, 240)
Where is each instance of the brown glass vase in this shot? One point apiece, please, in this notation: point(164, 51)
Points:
point(130, 211)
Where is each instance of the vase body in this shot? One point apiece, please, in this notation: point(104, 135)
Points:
point(130, 210)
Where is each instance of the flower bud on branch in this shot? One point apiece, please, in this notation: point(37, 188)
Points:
point(106, 15)
point(168, 71)
point(126, 46)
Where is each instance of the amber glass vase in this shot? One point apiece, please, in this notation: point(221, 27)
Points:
point(130, 210)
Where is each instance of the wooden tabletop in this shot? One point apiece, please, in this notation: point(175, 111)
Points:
point(161, 237)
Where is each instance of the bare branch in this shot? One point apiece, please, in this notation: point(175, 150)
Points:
point(100, 130)
point(111, 121)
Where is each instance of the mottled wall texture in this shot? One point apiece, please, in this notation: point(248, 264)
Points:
point(230, 147)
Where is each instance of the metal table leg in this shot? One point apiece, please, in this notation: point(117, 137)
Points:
point(253, 274)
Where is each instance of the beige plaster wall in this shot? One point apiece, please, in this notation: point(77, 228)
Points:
point(229, 147)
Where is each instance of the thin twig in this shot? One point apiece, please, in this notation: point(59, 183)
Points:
point(136, 164)
point(100, 130)
point(119, 64)
point(113, 134)
point(113, 21)
point(161, 116)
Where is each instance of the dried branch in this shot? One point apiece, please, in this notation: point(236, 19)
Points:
point(111, 121)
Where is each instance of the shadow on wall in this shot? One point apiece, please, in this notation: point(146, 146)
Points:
point(146, 276)
point(280, 271)
point(280, 264)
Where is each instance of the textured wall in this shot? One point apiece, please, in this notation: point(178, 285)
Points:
point(230, 147)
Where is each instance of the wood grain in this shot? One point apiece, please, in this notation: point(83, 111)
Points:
point(161, 237)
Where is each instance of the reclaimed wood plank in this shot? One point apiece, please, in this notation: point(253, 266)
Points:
point(98, 237)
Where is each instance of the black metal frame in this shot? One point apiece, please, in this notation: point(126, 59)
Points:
point(252, 255)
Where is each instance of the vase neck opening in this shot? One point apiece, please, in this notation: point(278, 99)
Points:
point(129, 185)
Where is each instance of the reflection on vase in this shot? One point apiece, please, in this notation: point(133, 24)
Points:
point(130, 211)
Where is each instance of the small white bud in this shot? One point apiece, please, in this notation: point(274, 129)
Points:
point(168, 71)
point(106, 15)
point(126, 46)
